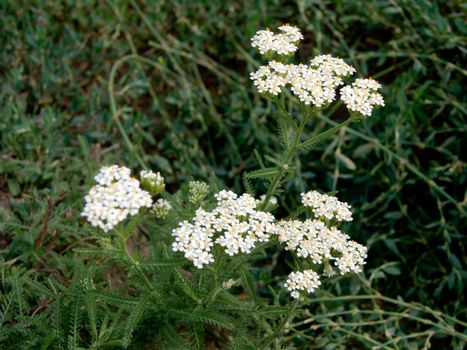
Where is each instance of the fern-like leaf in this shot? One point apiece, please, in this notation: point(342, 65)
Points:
point(74, 324)
point(262, 173)
point(173, 339)
point(91, 311)
point(258, 158)
point(321, 138)
point(247, 280)
point(117, 299)
point(247, 184)
point(204, 317)
point(133, 320)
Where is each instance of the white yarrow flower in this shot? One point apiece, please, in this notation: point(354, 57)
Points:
point(116, 197)
point(284, 43)
point(311, 86)
point(234, 224)
point(307, 280)
point(325, 206)
point(292, 33)
point(334, 65)
point(269, 79)
point(362, 96)
point(109, 174)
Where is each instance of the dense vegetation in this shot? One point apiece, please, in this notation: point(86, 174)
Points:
point(166, 84)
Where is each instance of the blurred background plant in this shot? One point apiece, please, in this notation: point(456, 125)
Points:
point(166, 84)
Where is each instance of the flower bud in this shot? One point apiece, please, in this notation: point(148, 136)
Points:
point(162, 208)
point(152, 182)
point(198, 191)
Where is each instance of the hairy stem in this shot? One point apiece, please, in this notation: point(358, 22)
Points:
point(281, 327)
point(294, 147)
point(285, 160)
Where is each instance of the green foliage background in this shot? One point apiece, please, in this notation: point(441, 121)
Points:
point(193, 112)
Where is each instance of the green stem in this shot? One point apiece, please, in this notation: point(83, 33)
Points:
point(123, 238)
point(286, 158)
point(295, 146)
point(281, 327)
point(400, 303)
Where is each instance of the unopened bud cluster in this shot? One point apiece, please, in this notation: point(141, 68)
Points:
point(198, 190)
point(272, 202)
point(161, 208)
point(229, 283)
point(152, 182)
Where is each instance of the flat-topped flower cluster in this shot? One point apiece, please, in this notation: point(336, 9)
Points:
point(284, 43)
point(237, 225)
point(362, 95)
point(313, 84)
point(319, 241)
point(326, 207)
point(307, 280)
point(116, 196)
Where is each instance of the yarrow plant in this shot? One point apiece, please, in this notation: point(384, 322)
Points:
point(208, 236)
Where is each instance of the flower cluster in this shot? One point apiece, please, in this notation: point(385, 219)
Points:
point(234, 224)
point(115, 197)
point(271, 78)
point(307, 280)
point(284, 43)
point(318, 241)
point(333, 65)
point(313, 84)
point(313, 240)
point(326, 207)
point(362, 96)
